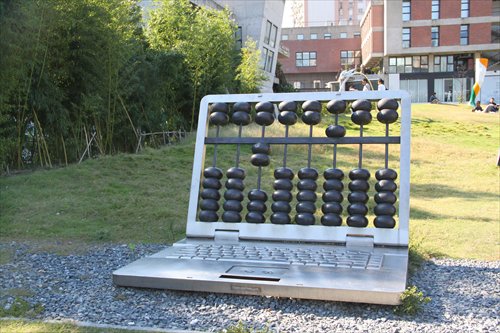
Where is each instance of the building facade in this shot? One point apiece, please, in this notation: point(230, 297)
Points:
point(318, 13)
point(422, 46)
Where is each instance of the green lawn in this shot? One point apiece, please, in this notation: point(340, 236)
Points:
point(131, 198)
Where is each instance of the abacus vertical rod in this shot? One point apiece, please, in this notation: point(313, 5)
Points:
point(259, 174)
point(310, 147)
point(386, 147)
point(238, 148)
point(285, 152)
point(360, 162)
point(214, 163)
point(335, 145)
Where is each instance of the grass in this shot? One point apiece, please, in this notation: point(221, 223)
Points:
point(23, 326)
point(131, 198)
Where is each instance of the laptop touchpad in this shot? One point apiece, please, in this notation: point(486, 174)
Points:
point(254, 273)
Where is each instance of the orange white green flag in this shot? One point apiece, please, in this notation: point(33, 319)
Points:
point(481, 65)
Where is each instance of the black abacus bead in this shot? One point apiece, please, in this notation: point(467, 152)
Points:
point(280, 218)
point(358, 221)
point(336, 106)
point(211, 183)
point(308, 173)
point(256, 206)
point(219, 107)
point(260, 160)
point(235, 172)
point(333, 184)
point(212, 172)
point(241, 118)
point(261, 148)
point(331, 220)
point(209, 204)
point(314, 106)
point(387, 103)
point(311, 117)
point(359, 185)
point(357, 197)
point(385, 185)
point(335, 131)
point(361, 117)
point(332, 196)
point(385, 197)
point(357, 209)
point(233, 205)
point(280, 195)
point(287, 106)
point(359, 174)
point(305, 219)
point(283, 173)
point(257, 195)
point(264, 107)
point(287, 117)
point(208, 216)
point(389, 174)
point(283, 184)
point(387, 116)
point(231, 216)
point(361, 104)
point(232, 194)
point(306, 207)
point(242, 106)
point(384, 209)
point(219, 118)
point(264, 118)
point(234, 183)
point(333, 174)
point(331, 208)
point(384, 221)
point(255, 217)
point(307, 185)
point(281, 206)
point(210, 193)
point(306, 196)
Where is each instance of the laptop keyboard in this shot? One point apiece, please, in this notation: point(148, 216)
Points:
point(323, 257)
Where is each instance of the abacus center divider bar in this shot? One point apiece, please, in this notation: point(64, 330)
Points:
point(305, 140)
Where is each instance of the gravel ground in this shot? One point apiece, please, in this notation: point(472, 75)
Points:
point(465, 297)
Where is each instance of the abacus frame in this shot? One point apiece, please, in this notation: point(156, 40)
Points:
point(399, 236)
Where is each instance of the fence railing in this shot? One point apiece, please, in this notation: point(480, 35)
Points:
point(156, 139)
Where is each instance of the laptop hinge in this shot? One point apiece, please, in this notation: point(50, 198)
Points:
point(357, 241)
point(227, 236)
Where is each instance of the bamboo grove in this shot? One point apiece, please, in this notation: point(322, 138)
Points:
point(71, 70)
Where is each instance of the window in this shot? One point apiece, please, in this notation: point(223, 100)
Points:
point(314, 36)
point(267, 36)
point(495, 33)
point(443, 64)
point(296, 85)
point(406, 10)
point(274, 33)
point(305, 59)
point(300, 37)
point(406, 38)
point(464, 34)
point(343, 35)
point(317, 84)
point(415, 64)
point(267, 59)
point(434, 36)
point(464, 8)
point(284, 37)
point(357, 34)
point(238, 38)
point(435, 9)
point(327, 36)
point(349, 58)
point(271, 33)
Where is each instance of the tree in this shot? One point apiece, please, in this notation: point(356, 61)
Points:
point(249, 72)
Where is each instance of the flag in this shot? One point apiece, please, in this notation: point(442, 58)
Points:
point(481, 65)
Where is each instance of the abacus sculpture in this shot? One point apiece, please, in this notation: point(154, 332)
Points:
point(291, 196)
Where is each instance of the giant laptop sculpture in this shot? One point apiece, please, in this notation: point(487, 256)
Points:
point(305, 232)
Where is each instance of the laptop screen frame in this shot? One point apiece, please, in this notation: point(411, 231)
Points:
point(398, 236)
